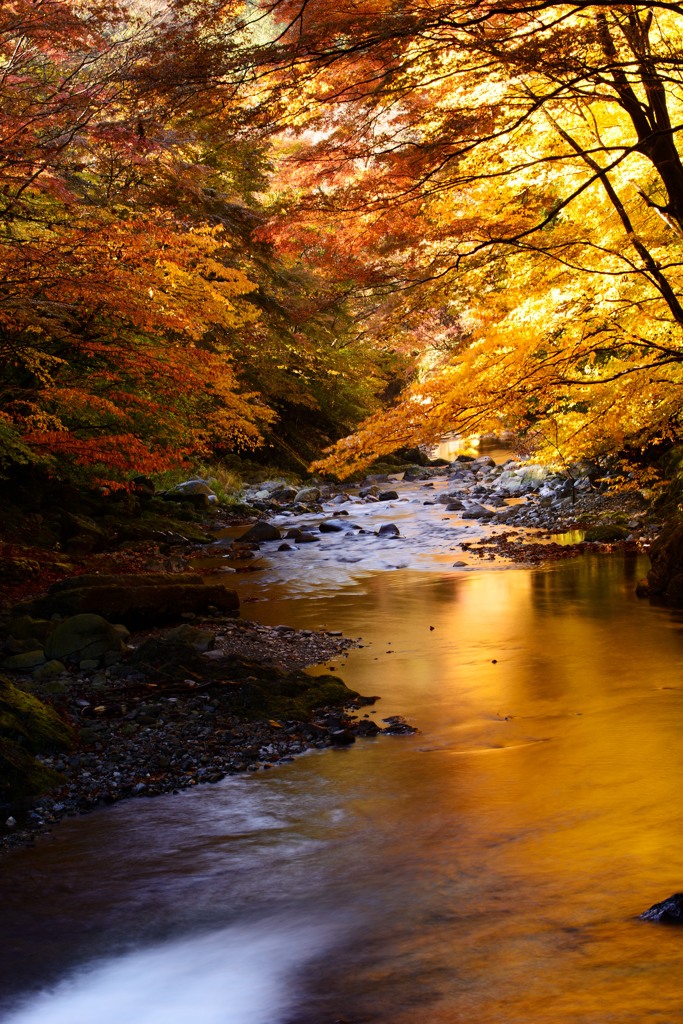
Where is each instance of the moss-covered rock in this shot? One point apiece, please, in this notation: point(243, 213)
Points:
point(606, 533)
point(83, 636)
point(24, 662)
point(136, 601)
point(27, 727)
point(290, 695)
point(251, 689)
point(24, 627)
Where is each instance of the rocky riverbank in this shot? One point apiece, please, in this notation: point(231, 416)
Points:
point(186, 706)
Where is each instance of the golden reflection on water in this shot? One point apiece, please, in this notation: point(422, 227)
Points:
point(488, 870)
point(538, 810)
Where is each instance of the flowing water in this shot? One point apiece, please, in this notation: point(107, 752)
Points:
point(488, 869)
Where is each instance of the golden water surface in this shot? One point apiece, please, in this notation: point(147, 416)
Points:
point(488, 870)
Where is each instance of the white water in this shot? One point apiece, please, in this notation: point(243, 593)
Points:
point(238, 975)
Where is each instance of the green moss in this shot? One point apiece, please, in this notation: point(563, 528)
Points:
point(27, 727)
point(606, 533)
point(294, 696)
point(42, 725)
point(21, 776)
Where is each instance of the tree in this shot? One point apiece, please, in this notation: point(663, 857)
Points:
point(511, 171)
point(141, 320)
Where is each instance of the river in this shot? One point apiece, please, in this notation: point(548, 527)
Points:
point(490, 868)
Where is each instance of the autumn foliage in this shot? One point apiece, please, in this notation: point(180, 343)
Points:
point(136, 314)
point(505, 179)
point(217, 216)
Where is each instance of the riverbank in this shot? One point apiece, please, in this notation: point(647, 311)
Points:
point(171, 715)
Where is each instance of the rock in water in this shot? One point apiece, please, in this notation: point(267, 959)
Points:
point(669, 911)
point(389, 530)
point(332, 526)
point(262, 531)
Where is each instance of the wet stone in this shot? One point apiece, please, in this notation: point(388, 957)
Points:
point(669, 911)
point(389, 530)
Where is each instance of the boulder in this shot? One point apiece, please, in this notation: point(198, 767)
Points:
point(201, 639)
point(301, 536)
point(26, 628)
point(332, 526)
point(261, 531)
point(389, 530)
point(664, 580)
point(606, 533)
point(195, 486)
point(285, 493)
point(413, 473)
point(49, 671)
point(27, 727)
point(24, 662)
point(82, 535)
point(306, 495)
point(669, 911)
point(197, 492)
point(135, 601)
point(476, 511)
point(85, 637)
point(387, 495)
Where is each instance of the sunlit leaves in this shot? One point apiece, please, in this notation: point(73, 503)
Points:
point(512, 171)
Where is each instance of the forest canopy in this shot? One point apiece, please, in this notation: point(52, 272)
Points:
point(215, 214)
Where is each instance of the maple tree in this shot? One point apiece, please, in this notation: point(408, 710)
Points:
point(503, 182)
point(133, 304)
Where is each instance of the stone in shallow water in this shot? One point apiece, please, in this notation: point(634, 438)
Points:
point(389, 530)
point(332, 526)
point(669, 911)
point(262, 531)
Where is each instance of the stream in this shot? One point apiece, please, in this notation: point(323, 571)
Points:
point(488, 869)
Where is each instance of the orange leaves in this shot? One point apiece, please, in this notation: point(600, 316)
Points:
point(119, 454)
point(110, 271)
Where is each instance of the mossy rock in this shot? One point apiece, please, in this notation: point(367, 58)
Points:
point(85, 636)
point(293, 695)
point(250, 689)
point(24, 627)
point(18, 569)
point(27, 727)
point(136, 601)
point(606, 533)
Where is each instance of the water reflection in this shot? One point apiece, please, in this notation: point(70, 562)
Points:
point(489, 868)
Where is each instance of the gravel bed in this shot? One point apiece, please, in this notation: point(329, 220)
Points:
point(141, 735)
